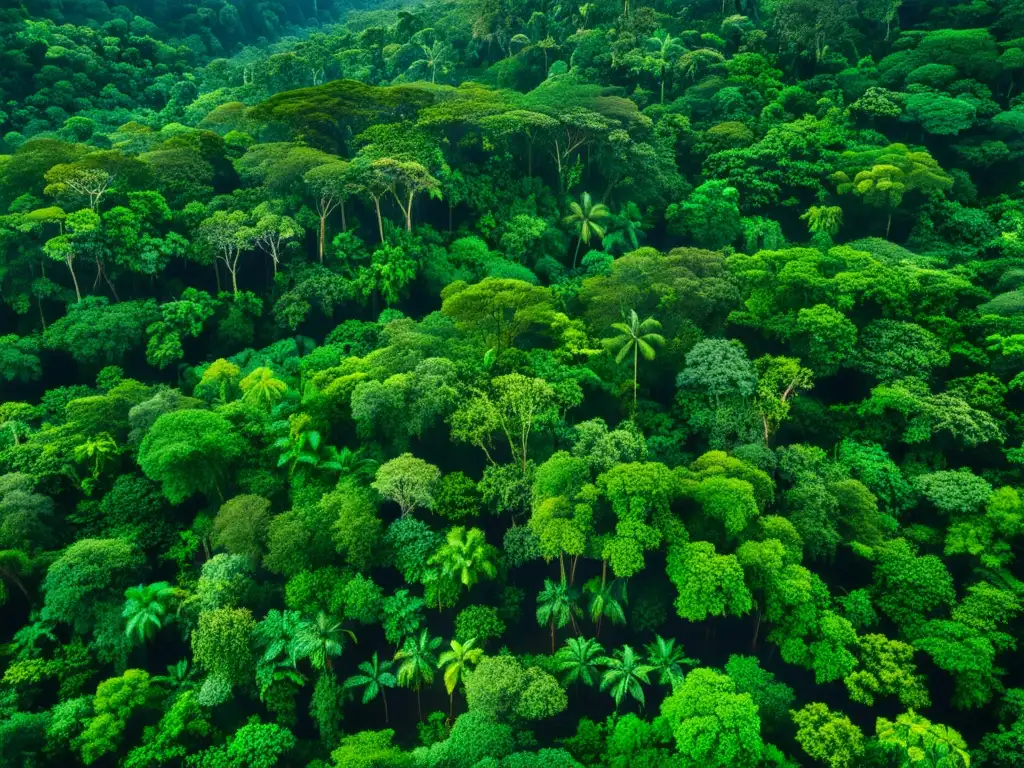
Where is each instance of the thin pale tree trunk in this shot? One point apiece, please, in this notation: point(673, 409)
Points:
point(74, 279)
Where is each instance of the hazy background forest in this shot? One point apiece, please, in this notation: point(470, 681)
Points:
point(511, 384)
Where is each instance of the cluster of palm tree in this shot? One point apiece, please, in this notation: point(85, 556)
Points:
point(304, 450)
point(417, 662)
point(288, 638)
point(559, 603)
point(626, 671)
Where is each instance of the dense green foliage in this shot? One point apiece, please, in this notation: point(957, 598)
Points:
point(492, 384)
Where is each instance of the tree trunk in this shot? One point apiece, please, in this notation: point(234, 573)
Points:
point(344, 222)
point(636, 362)
point(408, 215)
point(552, 636)
point(757, 630)
point(7, 574)
point(385, 697)
point(380, 221)
point(74, 279)
point(216, 271)
point(113, 290)
point(579, 242)
point(419, 708)
point(888, 225)
point(234, 281)
point(451, 705)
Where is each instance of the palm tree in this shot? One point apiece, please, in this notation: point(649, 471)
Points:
point(625, 675)
point(278, 635)
point(626, 230)
point(667, 660)
point(637, 337)
point(457, 663)
point(351, 463)
point(694, 61)
point(665, 49)
point(465, 556)
point(578, 659)
point(418, 659)
point(823, 218)
point(263, 388)
point(374, 676)
point(320, 639)
point(556, 604)
point(304, 448)
point(179, 678)
point(434, 56)
point(606, 599)
point(585, 217)
point(519, 39)
point(146, 609)
point(98, 450)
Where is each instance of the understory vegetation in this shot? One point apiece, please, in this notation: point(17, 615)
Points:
point(511, 384)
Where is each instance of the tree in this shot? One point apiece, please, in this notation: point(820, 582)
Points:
point(917, 740)
point(407, 481)
point(718, 368)
point(883, 177)
point(713, 724)
point(78, 231)
point(605, 599)
point(586, 217)
point(320, 639)
point(465, 556)
point(828, 736)
point(891, 350)
point(457, 663)
point(499, 310)
point(369, 749)
point(665, 49)
point(90, 183)
point(779, 380)
point(115, 701)
point(374, 677)
point(711, 214)
point(625, 230)
point(221, 645)
point(417, 663)
point(146, 608)
point(330, 183)
point(404, 180)
point(271, 230)
point(435, 57)
point(579, 660)
point(241, 526)
point(556, 604)
point(823, 218)
point(87, 579)
point(189, 452)
point(708, 583)
point(98, 451)
point(667, 659)
point(625, 674)
point(638, 337)
point(228, 236)
point(773, 699)
point(262, 388)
